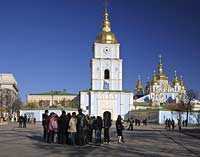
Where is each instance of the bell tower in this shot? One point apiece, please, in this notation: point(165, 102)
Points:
point(106, 65)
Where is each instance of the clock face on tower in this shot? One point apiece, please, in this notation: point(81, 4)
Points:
point(106, 50)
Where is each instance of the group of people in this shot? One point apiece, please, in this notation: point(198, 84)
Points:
point(22, 121)
point(78, 129)
point(169, 124)
point(136, 121)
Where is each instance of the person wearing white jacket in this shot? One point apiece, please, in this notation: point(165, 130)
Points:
point(72, 127)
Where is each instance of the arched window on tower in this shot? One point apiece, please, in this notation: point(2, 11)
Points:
point(106, 74)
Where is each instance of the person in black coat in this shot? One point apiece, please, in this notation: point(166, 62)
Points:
point(98, 128)
point(107, 124)
point(119, 127)
point(24, 121)
point(45, 124)
point(62, 128)
point(81, 128)
point(20, 121)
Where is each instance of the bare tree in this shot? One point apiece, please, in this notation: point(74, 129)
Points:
point(191, 94)
point(179, 107)
point(7, 99)
point(17, 105)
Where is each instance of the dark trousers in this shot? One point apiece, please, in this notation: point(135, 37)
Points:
point(45, 132)
point(24, 124)
point(90, 135)
point(51, 137)
point(80, 137)
point(106, 135)
point(98, 136)
point(130, 127)
point(20, 124)
point(62, 137)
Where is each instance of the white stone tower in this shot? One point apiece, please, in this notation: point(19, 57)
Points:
point(106, 65)
point(106, 94)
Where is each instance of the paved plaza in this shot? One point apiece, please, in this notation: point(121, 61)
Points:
point(151, 140)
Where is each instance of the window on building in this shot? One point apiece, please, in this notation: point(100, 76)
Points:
point(106, 74)
point(106, 86)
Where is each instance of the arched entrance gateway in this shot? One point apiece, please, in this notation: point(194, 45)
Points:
point(107, 115)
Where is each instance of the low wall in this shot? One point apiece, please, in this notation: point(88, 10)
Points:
point(38, 113)
point(159, 116)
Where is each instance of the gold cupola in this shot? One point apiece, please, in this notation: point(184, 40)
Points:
point(175, 81)
point(160, 75)
point(139, 85)
point(147, 88)
point(154, 81)
point(106, 36)
point(182, 83)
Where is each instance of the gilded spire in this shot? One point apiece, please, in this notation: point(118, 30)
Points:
point(175, 81)
point(147, 88)
point(106, 36)
point(154, 81)
point(106, 27)
point(139, 84)
point(161, 75)
point(182, 82)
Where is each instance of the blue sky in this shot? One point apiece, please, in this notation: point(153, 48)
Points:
point(47, 44)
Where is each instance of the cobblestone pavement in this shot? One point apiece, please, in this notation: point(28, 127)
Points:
point(151, 140)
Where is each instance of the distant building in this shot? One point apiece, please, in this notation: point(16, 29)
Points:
point(53, 99)
point(8, 94)
point(8, 81)
point(159, 90)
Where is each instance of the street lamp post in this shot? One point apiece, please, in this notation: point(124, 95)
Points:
point(52, 97)
point(1, 104)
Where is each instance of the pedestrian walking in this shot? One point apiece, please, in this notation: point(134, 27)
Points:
point(179, 124)
point(24, 121)
point(173, 124)
point(20, 121)
point(119, 128)
point(131, 124)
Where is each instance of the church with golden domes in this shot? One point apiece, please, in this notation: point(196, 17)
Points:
point(159, 90)
point(106, 92)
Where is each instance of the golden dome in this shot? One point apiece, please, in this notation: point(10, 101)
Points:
point(175, 81)
point(161, 75)
point(182, 83)
point(154, 81)
point(139, 85)
point(106, 36)
point(147, 88)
